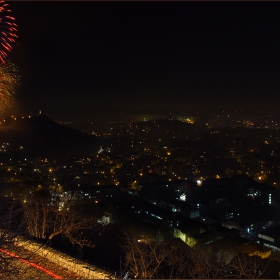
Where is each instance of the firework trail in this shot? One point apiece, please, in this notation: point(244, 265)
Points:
point(8, 28)
point(9, 82)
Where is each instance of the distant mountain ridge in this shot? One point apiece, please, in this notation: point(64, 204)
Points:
point(41, 135)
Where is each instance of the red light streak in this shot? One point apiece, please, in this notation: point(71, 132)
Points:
point(32, 264)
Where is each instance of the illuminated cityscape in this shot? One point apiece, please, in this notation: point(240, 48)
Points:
point(139, 140)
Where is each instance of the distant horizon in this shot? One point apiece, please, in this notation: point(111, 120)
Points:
point(130, 116)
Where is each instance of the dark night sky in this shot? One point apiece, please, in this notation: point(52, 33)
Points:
point(146, 57)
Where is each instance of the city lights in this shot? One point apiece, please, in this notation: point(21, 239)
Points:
point(143, 138)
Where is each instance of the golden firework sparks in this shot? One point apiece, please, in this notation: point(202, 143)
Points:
point(9, 82)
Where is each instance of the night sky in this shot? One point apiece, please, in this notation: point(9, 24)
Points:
point(83, 58)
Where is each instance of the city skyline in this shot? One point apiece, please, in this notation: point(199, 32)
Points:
point(82, 58)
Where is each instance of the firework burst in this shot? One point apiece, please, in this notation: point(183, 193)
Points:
point(8, 29)
point(9, 82)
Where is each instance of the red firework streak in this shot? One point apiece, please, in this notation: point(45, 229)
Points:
point(32, 264)
point(8, 29)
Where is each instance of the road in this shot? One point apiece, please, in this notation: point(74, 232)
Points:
point(32, 266)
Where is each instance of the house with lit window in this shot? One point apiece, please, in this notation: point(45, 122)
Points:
point(261, 192)
point(270, 237)
point(182, 208)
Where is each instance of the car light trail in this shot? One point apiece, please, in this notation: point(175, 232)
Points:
point(32, 264)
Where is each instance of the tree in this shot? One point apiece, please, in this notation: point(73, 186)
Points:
point(145, 257)
point(48, 214)
point(249, 267)
point(206, 262)
point(11, 228)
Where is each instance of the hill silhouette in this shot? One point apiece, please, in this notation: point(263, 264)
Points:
point(40, 135)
